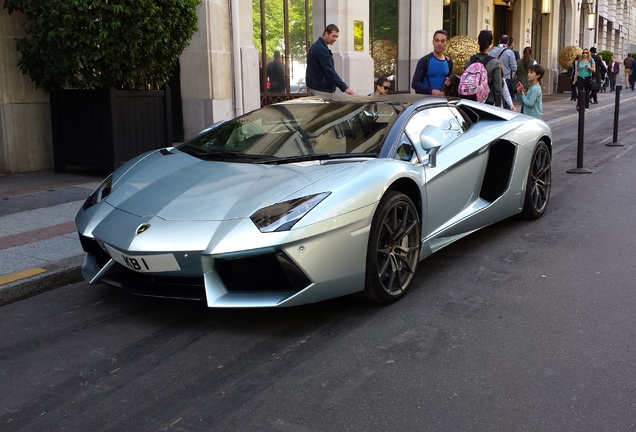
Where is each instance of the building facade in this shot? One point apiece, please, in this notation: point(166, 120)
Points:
point(223, 72)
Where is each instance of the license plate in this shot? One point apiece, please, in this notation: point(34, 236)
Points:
point(145, 263)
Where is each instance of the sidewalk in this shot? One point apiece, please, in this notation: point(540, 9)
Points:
point(39, 247)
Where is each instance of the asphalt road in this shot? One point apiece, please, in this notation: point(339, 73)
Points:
point(523, 326)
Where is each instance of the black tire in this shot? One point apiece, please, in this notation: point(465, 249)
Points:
point(539, 183)
point(393, 250)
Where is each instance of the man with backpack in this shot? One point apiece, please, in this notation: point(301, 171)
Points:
point(506, 57)
point(601, 70)
point(433, 69)
point(472, 83)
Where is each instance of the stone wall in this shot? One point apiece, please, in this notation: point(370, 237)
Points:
point(25, 119)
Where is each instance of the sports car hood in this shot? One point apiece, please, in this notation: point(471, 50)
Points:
point(177, 186)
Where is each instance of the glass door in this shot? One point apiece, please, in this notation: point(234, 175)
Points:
point(282, 31)
point(391, 42)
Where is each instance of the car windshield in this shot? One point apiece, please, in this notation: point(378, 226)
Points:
point(298, 131)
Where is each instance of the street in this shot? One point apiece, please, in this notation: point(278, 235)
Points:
point(522, 326)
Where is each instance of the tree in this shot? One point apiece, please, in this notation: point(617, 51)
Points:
point(274, 37)
point(99, 44)
point(385, 20)
point(384, 37)
point(298, 29)
point(606, 56)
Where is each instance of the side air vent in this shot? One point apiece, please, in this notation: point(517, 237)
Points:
point(501, 156)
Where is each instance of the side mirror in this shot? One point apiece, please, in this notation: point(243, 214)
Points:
point(431, 139)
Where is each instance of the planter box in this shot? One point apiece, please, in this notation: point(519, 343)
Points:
point(564, 83)
point(102, 129)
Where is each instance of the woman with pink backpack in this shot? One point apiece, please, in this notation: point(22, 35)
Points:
point(481, 79)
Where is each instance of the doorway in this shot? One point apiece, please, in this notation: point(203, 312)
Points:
point(282, 30)
point(502, 22)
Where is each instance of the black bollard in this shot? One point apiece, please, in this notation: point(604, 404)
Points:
point(617, 104)
point(580, 169)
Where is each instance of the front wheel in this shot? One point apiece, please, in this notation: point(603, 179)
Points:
point(394, 249)
point(539, 183)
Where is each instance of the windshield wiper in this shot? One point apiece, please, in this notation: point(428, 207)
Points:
point(261, 159)
point(318, 156)
point(227, 155)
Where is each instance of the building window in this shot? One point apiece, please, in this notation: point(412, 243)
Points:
point(562, 16)
point(456, 17)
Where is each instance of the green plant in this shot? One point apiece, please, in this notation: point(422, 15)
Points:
point(606, 56)
point(100, 43)
point(274, 36)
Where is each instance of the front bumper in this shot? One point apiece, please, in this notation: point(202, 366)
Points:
point(296, 267)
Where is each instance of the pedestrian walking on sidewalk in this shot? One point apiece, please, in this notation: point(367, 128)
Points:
point(572, 74)
point(511, 45)
point(508, 61)
point(532, 97)
point(506, 98)
point(585, 69)
point(599, 75)
point(627, 65)
point(276, 73)
point(321, 76)
point(493, 67)
point(612, 71)
point(434, 68)
point(523, 66)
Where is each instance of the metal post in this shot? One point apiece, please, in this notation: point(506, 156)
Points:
point(617, 104)
point(580, 169)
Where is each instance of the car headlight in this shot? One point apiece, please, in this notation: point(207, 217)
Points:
point(102, 191)
point(284, 215)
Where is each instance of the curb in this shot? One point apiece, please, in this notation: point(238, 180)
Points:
point(574, 117)
point(64, 272)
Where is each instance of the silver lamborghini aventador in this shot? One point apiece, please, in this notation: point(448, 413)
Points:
point(312, 199)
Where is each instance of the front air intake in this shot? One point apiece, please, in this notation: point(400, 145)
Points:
point(272, 272)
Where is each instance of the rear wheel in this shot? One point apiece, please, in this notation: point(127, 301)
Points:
point(394, 249)
point(539, 183)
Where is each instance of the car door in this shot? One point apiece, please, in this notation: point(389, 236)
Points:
point(453, 184)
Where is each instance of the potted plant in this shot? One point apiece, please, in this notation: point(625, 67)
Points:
point(606, 55)
point(105, 65)
point(566, 58)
